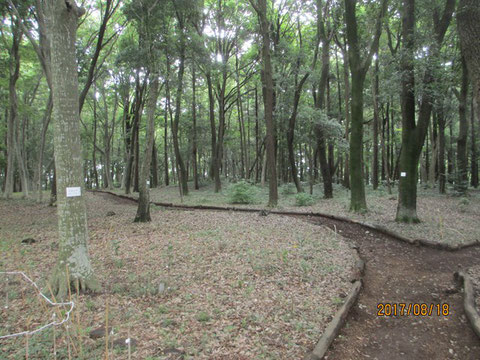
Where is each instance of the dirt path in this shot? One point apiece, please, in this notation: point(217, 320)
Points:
point(398, 272)
point(401, 273)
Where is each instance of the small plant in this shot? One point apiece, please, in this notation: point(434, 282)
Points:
point(288, 189)
point(242, 193)
point(115, 246)
point(202, 316)
point(304, 199)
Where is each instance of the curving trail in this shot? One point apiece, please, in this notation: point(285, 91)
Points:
point(398, 272)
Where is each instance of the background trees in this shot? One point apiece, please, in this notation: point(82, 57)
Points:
point(246, 89)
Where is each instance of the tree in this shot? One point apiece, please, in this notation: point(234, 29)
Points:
point(358, 68)
point(260, 7)
point(14, 72)
point(73, 266)
point(469, 32)
point(414, 132)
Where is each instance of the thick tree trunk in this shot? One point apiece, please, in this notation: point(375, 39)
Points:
point(73, 265)
point(268, 100)
point(468, 15)
point(414, 133)
point(359, 68)
point(143, 210)
point(357, 195)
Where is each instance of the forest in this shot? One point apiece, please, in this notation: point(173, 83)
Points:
point(212, 137)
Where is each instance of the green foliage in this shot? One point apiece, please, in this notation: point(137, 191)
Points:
point(304, 199)
point(242, 193)
point(288, 189)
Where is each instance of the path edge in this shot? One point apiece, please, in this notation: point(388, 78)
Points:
point(369, 226)
point(469, 301)
point(336, 324)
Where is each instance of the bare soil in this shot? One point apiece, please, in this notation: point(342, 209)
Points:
point(395, 273)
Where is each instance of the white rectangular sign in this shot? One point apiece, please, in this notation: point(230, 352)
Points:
point(403, 174)
point(74, 191)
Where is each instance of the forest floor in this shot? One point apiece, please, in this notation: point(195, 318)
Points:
point(203, 284)
point(445, 219)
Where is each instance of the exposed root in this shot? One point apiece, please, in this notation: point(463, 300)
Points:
point(62, 285)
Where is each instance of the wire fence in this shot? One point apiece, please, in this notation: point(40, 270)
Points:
point(50, 302)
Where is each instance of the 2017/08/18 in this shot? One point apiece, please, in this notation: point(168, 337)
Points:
point(404, 309)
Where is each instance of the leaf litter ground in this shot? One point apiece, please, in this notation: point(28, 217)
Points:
point(203, 284)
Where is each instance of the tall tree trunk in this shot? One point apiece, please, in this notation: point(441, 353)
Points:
point(143, 210)
point(182, 176)
point(46, 121)
point(154, 167)
point(461, 183)
point(359, 68)
point(194, 139)
point(94, 148)
point(469, 32)
point(375, 127)
point(267, 79)
point(73, 265)
point(414, 133)
point(14, 69)
point(442, 171)
point(474, 159)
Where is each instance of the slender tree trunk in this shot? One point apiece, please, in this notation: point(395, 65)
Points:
point(143, 210)
point(194, 140)
point(442, 171)
point(154, 168)
point(182, 176)
point(73, 267)
point(461, 183)
point(474, 159)
point(375, 128)
point(14, 68)
point(46, 121)
point(346, 75)
point(94, 149)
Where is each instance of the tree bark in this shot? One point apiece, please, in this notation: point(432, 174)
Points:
point(469, 33)
point(73, 265)
point(194, 138)
point(375, 127)
point(358, 68)
point(182, 176)
point(267, 79)
point(143, 210)
point(414, 133)
point(14, 73)
point(474, 159)
point(461, 183)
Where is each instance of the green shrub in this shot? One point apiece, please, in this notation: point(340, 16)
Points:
point(288, 189)
point(242, 193)
point(303, 199)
